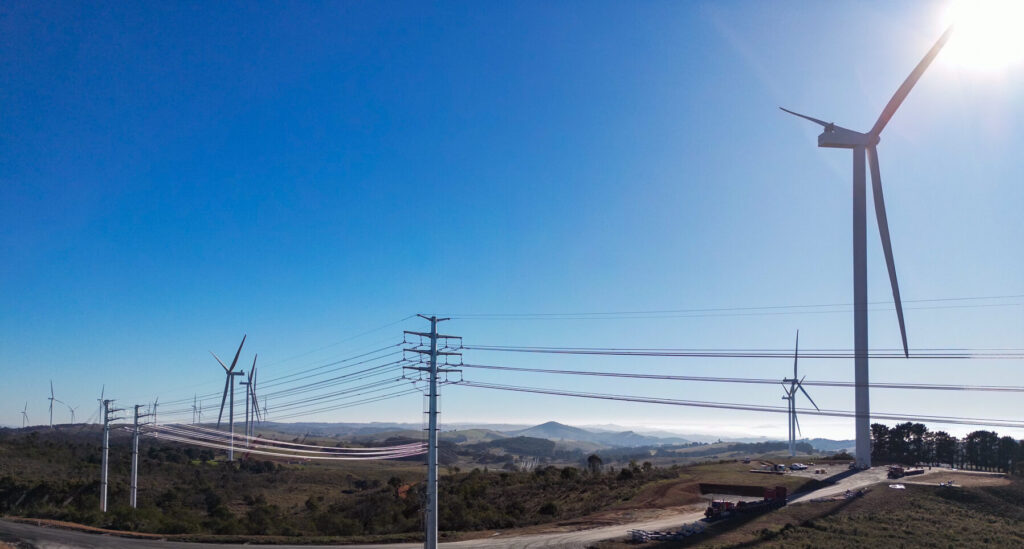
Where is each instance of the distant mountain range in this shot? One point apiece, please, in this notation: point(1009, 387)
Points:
point(553, 430)
point(604, 435)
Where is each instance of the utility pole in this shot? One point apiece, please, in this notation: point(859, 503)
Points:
point(107, 412)
point(246, 383)
point(135, 455)
point(231, 416)
point(430, 520)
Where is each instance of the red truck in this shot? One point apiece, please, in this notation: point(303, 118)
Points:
point(773, 499)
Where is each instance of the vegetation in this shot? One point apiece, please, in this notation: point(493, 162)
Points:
point(919, 516)
point(184, 490)
point(912, 443)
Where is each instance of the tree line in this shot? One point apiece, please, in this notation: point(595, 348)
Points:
point(913, 444)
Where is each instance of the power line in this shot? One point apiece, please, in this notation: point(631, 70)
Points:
point(252, 442)
point(157, 433)
point(747, 407)
point(951, 354)
point(732, 311)
point(822, 383)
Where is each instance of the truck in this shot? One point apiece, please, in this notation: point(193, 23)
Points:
point(773, 499)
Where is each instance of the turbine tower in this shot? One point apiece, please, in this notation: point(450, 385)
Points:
point(103, 389)
point(838, 137)
point(794, 386)
point(24, 416)
point(252, 404)
point(229, 386)
point(52, 399)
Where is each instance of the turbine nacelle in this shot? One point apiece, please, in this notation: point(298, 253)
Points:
point(837, 137)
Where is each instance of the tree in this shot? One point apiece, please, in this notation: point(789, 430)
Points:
point(945, 448)
point(1007, 453)
point(880, 450)
point(594, 463)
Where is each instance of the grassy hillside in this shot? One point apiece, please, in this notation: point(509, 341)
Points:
point(184, 490)
point(920, 516)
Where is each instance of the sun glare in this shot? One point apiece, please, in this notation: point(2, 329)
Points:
point(988, 34)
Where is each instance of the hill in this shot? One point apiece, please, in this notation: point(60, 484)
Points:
point(553, 430)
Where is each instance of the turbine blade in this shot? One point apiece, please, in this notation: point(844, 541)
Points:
point(103, 389)
point(221, 362)
point(238, 352)
point(883, 231)
point(807, 395)
point(223, 399)
point(796, 352)
point(908, 84)
point(821, 123)
point(51, 388)
point(797, 421)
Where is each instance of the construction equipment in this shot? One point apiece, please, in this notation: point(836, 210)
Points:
point(773, 499)
point(898, 471)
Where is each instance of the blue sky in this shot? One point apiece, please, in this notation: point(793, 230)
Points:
point(175, 175)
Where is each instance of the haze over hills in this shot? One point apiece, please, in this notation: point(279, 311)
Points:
point(610, 436)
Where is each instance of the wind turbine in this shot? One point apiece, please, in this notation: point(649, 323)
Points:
point(230, 374)
point(52, 399)
point(794, 385)
point(24, 416)
point(103, 389)
point(250, 399)
point(257, 412)
point(72, 410)
point(838, 137)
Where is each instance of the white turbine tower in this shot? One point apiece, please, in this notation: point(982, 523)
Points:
point(795, 385)
point(229, 386)
point(24, 416)
point(103, 390)
point(53, 399)
point(841, 138)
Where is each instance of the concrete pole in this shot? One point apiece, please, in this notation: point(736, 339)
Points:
point(231, 421)
point(246, 383)
point(431, 515)
point(860, 313)
point(106, 451)
point(135, 460)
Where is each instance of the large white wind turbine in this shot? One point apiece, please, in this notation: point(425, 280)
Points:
point(229, 386)
point(795, 384)
point(838, 137)
point(24, 416)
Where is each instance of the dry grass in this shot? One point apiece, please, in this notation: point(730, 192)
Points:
point(920, 516)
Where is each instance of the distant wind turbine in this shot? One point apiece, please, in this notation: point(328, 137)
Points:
point(53, 399)
point(72, 410)
point(794, 386)
point(24, 416)
point(103, 390)
point(838, 137)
